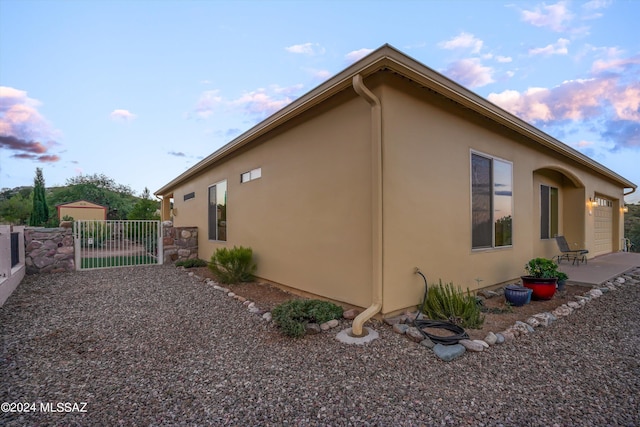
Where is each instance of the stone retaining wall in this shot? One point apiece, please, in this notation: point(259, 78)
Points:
point(179, 243)
point(49, 250)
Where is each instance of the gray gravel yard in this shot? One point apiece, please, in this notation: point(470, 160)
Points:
point(153, 346)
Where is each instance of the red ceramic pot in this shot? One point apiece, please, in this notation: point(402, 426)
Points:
point(543, 289)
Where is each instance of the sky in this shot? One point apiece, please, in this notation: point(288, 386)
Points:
point(142, 90)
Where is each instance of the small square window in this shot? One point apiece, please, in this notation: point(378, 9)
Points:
point(251, 175)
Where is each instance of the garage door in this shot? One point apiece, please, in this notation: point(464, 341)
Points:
point(603, 227)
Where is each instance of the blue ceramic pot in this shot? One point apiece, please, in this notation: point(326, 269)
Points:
point(517, 295)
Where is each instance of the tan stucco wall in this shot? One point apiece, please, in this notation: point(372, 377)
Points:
point(308, 217)
point(427, 196)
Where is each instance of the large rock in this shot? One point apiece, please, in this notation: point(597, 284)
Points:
point(313, 328)
point(545, 318)
point(491, 338)
point(449, 352)
point(329, 325)
point(400, 328)
point(471, 345)
point(351, 314)
point(414, 334)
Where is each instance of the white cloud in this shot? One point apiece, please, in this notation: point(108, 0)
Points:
point(260, 102)
point(122, 115)
point(356, 55)
point(23, 129)
point(557, 48)
point(470, 72)
point(592, 8)
point(463, 41)
point(616, 65)
point(597, 4)
point(504, 59)
point(608, 105)
point(306, 49)
point(319, 74)
point(554, 16)
point(206, 104)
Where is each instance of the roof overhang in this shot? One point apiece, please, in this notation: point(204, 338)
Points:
point(389, 58)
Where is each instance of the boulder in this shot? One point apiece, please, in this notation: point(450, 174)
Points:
point(449, 352)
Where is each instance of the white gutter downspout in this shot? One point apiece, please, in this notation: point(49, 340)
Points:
point(376, 205)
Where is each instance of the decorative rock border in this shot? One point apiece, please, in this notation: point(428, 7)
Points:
point(402, 324)
point(312, 328)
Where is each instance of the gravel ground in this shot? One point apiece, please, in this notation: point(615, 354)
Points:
point(152, 346)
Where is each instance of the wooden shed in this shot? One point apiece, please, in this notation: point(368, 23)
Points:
point(82, 210)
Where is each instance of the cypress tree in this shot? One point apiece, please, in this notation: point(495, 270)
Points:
point(40, 210)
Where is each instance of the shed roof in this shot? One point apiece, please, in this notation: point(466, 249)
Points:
point(389, 58)
point(80, 203)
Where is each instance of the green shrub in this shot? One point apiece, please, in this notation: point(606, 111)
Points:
point(233, 265)
point(292, 316)
point(447, 303)
point(190, 263)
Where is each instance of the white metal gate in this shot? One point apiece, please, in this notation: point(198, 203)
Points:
point(106, 244)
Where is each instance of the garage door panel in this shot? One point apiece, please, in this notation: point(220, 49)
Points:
point(603, 227)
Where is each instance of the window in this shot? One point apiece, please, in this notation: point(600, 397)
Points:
point(189, 196)
point(602, 202)
point(218, 211)
point(251, 175)
point(548, 212)
point(491, 202)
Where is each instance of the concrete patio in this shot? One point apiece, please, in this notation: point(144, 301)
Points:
point(600, 269)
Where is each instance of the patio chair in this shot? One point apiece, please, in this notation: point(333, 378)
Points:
point(576, 255)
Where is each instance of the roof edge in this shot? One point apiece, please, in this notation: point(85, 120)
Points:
point(389, 57)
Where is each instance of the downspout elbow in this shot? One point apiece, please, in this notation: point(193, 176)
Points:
point(376, 204)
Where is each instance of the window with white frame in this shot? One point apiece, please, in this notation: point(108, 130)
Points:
point(491, 202)
point(548, 212)
point(251, 175)
point(218, 211)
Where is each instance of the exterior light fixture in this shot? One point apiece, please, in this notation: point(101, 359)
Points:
point(625, 208)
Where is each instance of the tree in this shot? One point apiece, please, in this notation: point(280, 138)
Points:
point(99, 189)
point(39, 211)
point(16, 210)
point(146, 208)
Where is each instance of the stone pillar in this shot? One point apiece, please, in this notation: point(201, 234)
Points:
point(49, 250)
point(180, 243)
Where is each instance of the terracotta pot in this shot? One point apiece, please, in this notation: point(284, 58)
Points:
point(543, 289)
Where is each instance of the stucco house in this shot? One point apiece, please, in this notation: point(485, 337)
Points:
point(389, 166)
point(82, 210)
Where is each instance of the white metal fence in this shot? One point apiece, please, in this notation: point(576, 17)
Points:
point(106, 244)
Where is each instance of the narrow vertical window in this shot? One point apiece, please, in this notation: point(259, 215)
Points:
point(502, 202)
point(491, 202)
point(218, 211)
point(548, 212)
point(481, 201)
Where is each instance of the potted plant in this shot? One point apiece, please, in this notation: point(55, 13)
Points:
point(542, 278)
point(562, 279)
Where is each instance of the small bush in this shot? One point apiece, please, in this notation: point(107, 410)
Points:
point(190, 263)
point(292, 316)
point(233, 265)
point(446, 303)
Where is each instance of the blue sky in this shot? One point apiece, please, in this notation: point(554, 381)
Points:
point(142, 90)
